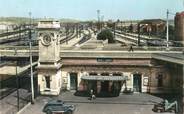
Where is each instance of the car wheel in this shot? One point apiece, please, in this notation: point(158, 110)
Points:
point(159, 110)
point(49, 112)
point(69, 112)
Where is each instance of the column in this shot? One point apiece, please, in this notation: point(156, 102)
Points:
point(110, 86)
point(98, 86)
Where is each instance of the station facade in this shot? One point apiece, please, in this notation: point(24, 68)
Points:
point(103, 71)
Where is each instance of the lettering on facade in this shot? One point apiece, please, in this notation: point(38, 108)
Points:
point(104, 60)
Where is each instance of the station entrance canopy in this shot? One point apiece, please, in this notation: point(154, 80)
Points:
point(104, 78)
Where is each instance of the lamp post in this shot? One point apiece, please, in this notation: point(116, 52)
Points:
point(138, 41)
point(98, 23)
point(167, 33)
point(66, 30)
point(139, 27)
point(7, 31)
point(77, 30)
point(121, 26)
point(101, 23)
point(30, 54)
point(114, 30)
point(17, 82)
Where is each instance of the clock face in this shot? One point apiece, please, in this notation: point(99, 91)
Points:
point(46, 40)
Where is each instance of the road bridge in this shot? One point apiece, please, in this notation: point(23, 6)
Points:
point(23, 51)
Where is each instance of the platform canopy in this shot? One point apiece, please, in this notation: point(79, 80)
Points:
point(104, 78)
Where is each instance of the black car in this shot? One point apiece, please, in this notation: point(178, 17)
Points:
point(58, 107)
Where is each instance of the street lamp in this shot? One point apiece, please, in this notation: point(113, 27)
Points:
point(167, 31)
point(98, 23)
point(66, 30)
point(121, 26)
point(114, 30)
point(138, 42)
point(139, 26)
point(30, 54)
point(7, 31)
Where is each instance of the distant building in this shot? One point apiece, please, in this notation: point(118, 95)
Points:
point(179, 27)
point(153, 26)
point(5, 27)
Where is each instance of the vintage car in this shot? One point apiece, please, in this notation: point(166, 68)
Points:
point(165, 106)
point(58, 107)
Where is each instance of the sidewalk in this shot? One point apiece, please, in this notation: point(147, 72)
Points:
point(8, 105)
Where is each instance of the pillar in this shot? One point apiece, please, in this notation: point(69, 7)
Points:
point(49, 57)
point(110, 86)
point(98, 86)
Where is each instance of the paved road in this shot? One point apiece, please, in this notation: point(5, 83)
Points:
point(124, 104)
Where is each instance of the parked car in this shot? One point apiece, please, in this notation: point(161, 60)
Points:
point(58, 107)
point(165, 106)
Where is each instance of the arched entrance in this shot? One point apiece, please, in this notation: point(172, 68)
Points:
point(137, 82)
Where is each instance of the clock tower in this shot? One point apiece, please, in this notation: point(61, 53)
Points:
point(49, 66)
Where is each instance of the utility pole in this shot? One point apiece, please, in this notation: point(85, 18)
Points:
point(66, 30)
point(98, 16)
point(30, 54)
point(167, 33)
point(121, 26)
point(7, 31)
point(17, 82)
point(101, 24)
point(114, 30)
point(77, 27)
point(138, 42)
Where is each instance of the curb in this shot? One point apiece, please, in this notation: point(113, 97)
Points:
point(20, 111)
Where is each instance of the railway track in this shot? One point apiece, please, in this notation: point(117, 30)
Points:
point(5, 92)
point(86, 37)
point(67, 38)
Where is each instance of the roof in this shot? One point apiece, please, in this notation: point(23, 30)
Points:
point(152, 21)
point(177, 58)
point(180, 13)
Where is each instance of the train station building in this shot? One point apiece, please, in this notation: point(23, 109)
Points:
point(104, 68)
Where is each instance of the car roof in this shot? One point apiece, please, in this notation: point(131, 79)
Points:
point(55, 102)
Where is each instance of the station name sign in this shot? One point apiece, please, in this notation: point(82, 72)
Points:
point(104, 60)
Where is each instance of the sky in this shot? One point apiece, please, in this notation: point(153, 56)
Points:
point(87, 9)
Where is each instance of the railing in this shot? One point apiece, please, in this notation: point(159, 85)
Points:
point(18, 47)
point(144, 48)
point(104, 48)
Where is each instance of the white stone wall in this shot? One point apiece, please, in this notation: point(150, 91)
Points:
point(55, 83)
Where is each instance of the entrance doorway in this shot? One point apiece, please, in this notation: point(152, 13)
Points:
point(137, 82)
point(104, 91)
point(47, 79)
point(73, 81)
point(104, 86)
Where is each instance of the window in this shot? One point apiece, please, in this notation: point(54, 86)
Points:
point(47, 79)
point(105, 74)
point(93, 74)
point(117, 74)
point(160, 80)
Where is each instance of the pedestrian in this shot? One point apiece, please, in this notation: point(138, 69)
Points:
point(131, 48)
point(92, 95)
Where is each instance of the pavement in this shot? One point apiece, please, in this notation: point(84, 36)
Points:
point(138, 103)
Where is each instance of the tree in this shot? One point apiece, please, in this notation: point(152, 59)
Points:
point(106, 34)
